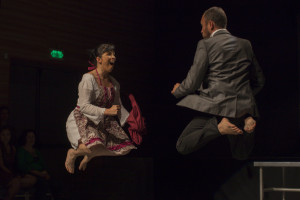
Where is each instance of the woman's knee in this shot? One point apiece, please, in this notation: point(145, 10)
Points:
point(126, 152)
point(15, 182)
point(28, 181)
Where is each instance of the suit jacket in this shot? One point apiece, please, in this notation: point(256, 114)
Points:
point(223, 79)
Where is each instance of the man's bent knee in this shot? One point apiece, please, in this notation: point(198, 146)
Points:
point(181, 149)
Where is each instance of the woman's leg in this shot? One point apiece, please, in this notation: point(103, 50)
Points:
point(73, 154)
point(28, 181)
point(98, 150)
point(13, 188)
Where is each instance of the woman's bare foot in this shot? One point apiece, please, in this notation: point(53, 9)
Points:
point(83, 149)
point(250, 125)
point(70, 160)
point(84, 163)
point(227, 128)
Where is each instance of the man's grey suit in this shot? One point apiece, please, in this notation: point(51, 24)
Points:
point(222, 82)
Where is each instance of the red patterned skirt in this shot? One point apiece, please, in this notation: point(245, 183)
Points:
point(108, 133)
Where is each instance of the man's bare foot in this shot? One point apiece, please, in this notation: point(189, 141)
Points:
point(250, 125)
point(227, 128)
point(70, 160)
point(84, 163)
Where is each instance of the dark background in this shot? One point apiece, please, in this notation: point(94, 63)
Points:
point(272, 29)
point(156, 42)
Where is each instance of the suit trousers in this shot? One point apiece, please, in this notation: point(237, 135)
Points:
point(204, 128)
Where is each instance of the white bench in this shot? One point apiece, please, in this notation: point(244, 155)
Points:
point(282, 189)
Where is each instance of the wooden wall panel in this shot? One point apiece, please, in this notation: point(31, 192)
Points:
point(4, 82)
point(29, 29)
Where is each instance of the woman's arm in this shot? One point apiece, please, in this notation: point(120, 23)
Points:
point(123, 113)
point(42, 174)
point(21, 160)
point(87, 94)
point(2, 166)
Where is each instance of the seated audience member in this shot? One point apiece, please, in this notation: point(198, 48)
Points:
point(8, 173)
point(30, 161)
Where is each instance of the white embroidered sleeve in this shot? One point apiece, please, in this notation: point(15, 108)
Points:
point(123, 114)
point(87, 94)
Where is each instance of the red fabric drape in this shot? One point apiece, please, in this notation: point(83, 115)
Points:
point(137, 126)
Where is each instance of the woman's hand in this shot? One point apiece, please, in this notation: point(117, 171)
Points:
point(45, 175)
point(7, 170)
point(113, 111)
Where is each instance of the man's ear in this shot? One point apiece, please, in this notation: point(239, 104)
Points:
point(211, 25)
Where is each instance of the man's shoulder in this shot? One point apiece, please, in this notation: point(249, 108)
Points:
point(210, 42)
point(222, 37)
point(240, 39)
point(243, 39)
point(245, 42)
point(201, 44)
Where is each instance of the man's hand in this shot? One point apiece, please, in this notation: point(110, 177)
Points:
point(113, 111)
point(175, 87)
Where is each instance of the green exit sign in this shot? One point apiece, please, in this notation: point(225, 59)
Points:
point(57, 54)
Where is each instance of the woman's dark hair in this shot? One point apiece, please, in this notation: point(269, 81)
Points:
point(99, 51)
point(22, 139)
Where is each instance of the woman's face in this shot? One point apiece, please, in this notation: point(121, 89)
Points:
point(107, 61)
point(5, 136)
point(30, 139)
point(4, 115)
